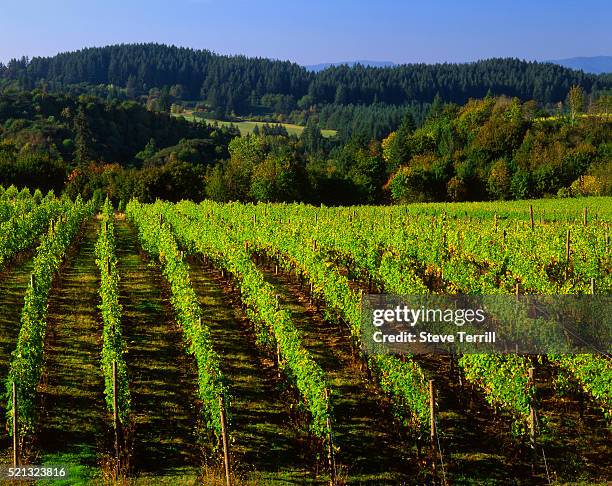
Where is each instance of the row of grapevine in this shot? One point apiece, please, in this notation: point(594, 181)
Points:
point(454, 258)
point(23, 229)
point(158, 240)
point(15, 202)
point(274, 325)
point(20, 205)
point(12, 194)
point(545, 211)
point(403, 380)
point(507, 251)
point(113, 345)
point(527, 259)
point(26, 365)
point(503, 378)
point(593, 374)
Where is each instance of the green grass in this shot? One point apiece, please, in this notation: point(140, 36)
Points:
point(76, 472)
point(247, 126)
point(162, 376)
point(72, 430)
point(266, 448)
point(363, 426)
point(13, 284)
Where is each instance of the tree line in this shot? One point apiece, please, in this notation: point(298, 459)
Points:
point(488, 148)
point(60, 142)
point(241, 85)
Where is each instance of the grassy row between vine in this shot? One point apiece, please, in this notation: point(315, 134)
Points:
point(274, 326)
point(157, 240)
point(27, 360)
point(403, 380)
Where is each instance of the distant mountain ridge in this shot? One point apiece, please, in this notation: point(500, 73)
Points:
point(324, 65)
point(593, 64)
point(588, 64)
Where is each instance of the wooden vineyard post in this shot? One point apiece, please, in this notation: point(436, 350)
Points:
point(108, 266)
point(314, 245)
point(592, 286)
point(432, 426)
point(246, 247)
point(363, 360)
point(567, 251)
point(531, 216)
point(278, 352)
point(33, 281)
point(117, 423)
point(330, 444)
point(15, 427)
point(532, 413)
point(504, 237)
point(516, 291)
point(225, 440)
point(161, 220)
point(278, 361)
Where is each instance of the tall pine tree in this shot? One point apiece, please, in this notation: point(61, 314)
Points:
point(83, 138)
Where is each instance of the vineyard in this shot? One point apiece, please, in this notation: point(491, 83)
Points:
point(222, 343)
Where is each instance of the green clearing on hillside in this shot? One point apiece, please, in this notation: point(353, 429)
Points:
point(247, 126)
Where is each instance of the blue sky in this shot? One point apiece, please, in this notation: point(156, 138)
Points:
point(314, 31)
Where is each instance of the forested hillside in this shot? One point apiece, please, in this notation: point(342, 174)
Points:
point(237, 84)
point(54, 141)
point(490, 148)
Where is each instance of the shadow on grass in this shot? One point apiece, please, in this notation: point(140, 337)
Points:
point(371, 449)
point(14, 282)
point(72, 412)
point(264, 439)
point(162, 377)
